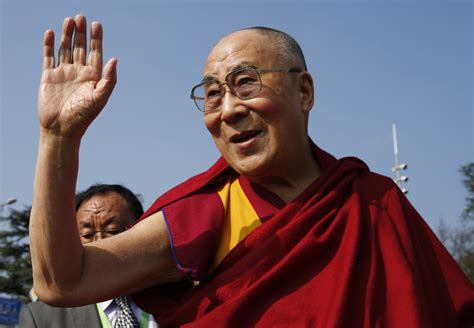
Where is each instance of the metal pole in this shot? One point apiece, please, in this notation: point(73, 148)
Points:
point(398, 166)
point(395, 155)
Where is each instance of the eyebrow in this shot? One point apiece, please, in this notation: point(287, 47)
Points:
point(208, 78)
point(85, 223)
point(211, 78)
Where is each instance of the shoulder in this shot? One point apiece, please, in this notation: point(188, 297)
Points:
point(383, 201)
point(220, 170)
point(40, 314)
point(380, 196)
point(39, 306)
point(374, 186)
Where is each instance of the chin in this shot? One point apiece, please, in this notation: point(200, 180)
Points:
point(255, 166)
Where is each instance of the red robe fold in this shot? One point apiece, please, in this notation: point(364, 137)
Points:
point(350, 251)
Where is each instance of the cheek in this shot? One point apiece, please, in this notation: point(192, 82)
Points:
point(212, 123)
point(263, 106)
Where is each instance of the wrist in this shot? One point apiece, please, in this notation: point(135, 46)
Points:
point(53, 139)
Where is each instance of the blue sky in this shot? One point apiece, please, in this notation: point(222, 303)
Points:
point(374, 63)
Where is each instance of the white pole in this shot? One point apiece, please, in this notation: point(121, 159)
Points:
point(398, 166)
point(394, 134)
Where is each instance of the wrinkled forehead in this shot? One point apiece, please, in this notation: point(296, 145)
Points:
point(243, 47)
point(112, 208)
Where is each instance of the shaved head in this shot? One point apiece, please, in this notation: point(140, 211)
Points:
point(285, 45)
point(271, 122)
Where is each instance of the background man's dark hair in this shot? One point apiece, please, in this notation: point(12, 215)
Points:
point(133, 201)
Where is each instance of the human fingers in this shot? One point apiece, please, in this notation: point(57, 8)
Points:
point(79, 52)
point(48, 50)
point(95, 47)
point(65, 45)
point(106, 85)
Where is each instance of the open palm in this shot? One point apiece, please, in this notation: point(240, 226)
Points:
point(73, 93)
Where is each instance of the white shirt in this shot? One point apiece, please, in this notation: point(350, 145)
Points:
point(112, 312)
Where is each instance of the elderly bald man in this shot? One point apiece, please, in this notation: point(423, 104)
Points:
point(277, 232)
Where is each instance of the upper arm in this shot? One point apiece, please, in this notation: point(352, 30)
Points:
point(128, 262)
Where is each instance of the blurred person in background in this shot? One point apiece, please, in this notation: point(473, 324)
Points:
point(103, 210)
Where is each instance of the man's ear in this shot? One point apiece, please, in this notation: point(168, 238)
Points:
point(306, 91)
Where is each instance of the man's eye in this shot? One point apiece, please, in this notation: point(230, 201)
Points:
point(113, 232)
point(244, 80)
point(87, 235)
point(210, 93)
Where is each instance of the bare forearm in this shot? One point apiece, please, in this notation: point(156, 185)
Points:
point(56, 249)
point(72, 93)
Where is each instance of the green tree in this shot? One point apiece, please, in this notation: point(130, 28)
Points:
point(468, 179)
point(466, 232)
point(460, 240)
point(15, 262)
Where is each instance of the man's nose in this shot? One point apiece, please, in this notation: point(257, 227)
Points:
point(233, 108)
point(98, 236)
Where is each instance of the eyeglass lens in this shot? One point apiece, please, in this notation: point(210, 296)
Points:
point(244, 83)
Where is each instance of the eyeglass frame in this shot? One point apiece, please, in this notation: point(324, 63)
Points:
point(220, 85)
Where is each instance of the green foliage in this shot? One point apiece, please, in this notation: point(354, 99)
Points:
point(15, 262)
point(460, 243)
point(465, 234)
point(460, 240)
point(468, 179)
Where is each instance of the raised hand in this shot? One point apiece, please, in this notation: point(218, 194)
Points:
point(73, 92)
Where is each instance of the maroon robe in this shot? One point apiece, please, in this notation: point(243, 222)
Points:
point(349, 251)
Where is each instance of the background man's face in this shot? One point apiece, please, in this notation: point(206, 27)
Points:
point(258, 137)
point(103, 216)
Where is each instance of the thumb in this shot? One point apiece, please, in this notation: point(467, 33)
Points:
point(106, 85)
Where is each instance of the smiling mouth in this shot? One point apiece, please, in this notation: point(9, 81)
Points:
point(244, 136)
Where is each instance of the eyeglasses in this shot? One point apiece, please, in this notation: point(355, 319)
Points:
point(244, 83)
point(92, 235)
